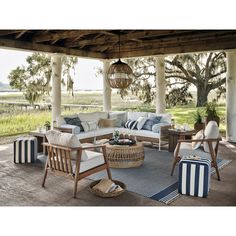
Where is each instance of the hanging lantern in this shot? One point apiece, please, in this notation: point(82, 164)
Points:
point(119, 74)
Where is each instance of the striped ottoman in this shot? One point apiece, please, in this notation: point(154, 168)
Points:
point(25, 150)
point(194, 177)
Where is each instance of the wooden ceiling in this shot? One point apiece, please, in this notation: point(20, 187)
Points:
point(105, 43)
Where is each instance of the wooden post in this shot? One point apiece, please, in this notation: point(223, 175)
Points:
point(231, 96)
point(106, 87)
point(160, 85)
point(56, 64)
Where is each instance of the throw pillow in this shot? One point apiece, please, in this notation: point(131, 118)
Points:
point(140, 122)
point(120, 118)
point(150, 122)
point(74, 121)
point(211, 132)
point(89, 125)
point(105, 123)
point(130, 124)
point(199, 135)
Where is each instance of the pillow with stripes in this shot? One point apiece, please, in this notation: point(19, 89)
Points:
point(130, 124)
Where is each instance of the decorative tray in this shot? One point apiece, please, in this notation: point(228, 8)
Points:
point(122, 142)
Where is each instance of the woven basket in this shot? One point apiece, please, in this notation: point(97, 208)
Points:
point(112, 194)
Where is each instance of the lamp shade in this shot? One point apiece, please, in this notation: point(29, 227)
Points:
point(119, 75)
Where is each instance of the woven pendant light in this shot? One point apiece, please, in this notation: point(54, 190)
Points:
point(119, 74)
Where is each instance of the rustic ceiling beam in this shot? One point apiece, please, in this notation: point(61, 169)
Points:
point(62, 34)
point(20, 34)
point(8, 32)
point(134, 36)
point(198, 46)
point(49, 48)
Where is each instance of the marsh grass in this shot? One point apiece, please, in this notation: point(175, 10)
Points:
point(16, 121)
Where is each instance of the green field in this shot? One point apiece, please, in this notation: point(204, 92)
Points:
point(16, 121)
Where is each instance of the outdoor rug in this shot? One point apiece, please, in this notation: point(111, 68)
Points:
point(152, 179)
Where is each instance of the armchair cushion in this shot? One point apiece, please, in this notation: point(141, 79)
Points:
point(211, 132)
point(199, 135)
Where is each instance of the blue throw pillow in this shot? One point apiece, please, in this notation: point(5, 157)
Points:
point(150, 122)
point(74, 121)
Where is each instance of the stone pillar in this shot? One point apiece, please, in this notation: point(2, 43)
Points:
point(231, 97)
point(106, 87)
point(56, 64)
point(160, 85)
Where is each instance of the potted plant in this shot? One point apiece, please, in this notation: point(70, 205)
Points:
point(47, 125)
point(199, 124)
point(116, 135)
point(211, 113)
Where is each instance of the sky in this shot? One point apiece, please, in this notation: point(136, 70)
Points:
point(85, 78)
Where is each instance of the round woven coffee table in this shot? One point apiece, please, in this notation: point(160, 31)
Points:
point(125, 156)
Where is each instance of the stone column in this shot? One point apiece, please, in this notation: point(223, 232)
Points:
point(231, 97)
point(106, 87)
point(160, 85)
point(56, 64)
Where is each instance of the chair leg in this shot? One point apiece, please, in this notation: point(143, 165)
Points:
point(213, 159)
point(44, 177)
point(176, 158)
point(75, 188)
point(109, 173)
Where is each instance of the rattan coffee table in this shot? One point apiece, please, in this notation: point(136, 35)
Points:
point(125, 156)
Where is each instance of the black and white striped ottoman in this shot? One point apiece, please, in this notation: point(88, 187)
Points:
point(25, 150)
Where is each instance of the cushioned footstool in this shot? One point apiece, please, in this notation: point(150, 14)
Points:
point(194, 177)
point(25, 150)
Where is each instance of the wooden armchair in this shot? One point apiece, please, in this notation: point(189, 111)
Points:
point(61, 162)
point(213, 152)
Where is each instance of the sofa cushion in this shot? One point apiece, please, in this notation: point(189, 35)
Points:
point(105, 123)
point(136, 115)
point(199, 135)
point(74, 121)
point(121, 118)
point(165, 117)
point(211, 132)
point(150, 122)
point(91, 116)
point(140, 122)
point(95, 133)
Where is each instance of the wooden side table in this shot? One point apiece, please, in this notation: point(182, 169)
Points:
point(174, 135)
point(41, 137)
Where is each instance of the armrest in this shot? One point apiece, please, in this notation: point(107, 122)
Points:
point(164, 128)
point(199, 140)
point(64, 130)
point(89, 147)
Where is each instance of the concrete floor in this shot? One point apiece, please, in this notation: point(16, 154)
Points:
point(222, 193)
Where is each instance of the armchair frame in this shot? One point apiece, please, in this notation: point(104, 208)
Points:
point(213, 153)
point(59, 163)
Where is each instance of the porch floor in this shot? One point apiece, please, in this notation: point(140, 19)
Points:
point(222, 193)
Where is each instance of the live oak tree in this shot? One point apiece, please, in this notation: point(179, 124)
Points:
point(34, 78)
point(205, 71)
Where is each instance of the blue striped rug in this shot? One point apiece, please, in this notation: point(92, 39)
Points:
point(170, 193)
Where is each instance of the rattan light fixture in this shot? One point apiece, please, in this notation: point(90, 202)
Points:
point(119, 74)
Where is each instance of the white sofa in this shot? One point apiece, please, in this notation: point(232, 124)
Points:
point(119, 118)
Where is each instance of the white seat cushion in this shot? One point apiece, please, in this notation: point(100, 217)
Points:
point(94, 159)
point(95, 133)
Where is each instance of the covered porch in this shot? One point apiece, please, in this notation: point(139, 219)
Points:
point(103, 45)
